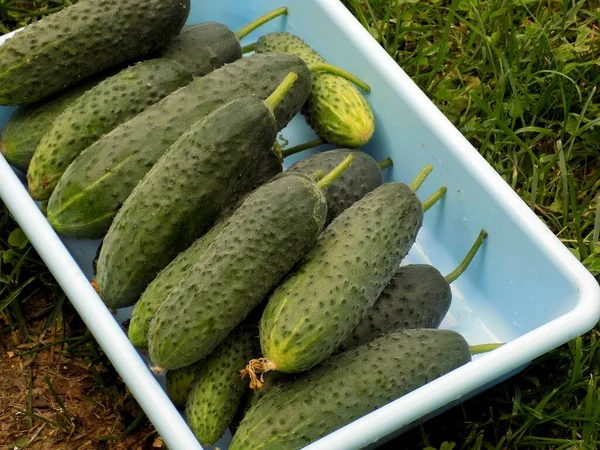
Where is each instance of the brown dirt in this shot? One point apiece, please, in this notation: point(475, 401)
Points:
point(96, 408)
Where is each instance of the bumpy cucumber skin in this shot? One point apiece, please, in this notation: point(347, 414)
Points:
point(182, 196)
point(318, 305)
point(362, 177)
point(335, 109)
point(165, 281)
point(179, 383)
point(418, 296)
point(99, 180)
point(82, 40)
point(349, 386)
point(274, 227)
point(98, 111)
point(218, 389)
point(28, 124)
point(203, 47)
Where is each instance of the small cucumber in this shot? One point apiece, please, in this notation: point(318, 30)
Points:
point(263, 239)
point(218, 389)
point(99, 180)
point(98, 111)
point(179, 383)
point(348, 386)
point(418, 296)
point(335, 109)
point(204, 47)
point(361, 178)
point(189, 188)
point(333, 287)
point(28, 124)
point(81, 40)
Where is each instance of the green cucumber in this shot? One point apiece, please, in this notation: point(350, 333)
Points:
point(81, 40)
point(108, 104)
point(218, 388)
point(263, 239)
point(361, 178)
point(349, 386)
point(335, 109)
point(183, 194)
point(28, 124)
point(317, 306)
point(179, 383)
point(204, 47)
point(418, 296)
point(101, 178)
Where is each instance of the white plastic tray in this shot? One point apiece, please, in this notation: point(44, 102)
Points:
point(524, 287)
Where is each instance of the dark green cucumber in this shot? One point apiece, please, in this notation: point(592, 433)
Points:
point(81, 40)
point(204, 47)
point(363, 176)
point(218, 389)
point(182, 195)
point(418, 296)
point(158, 290)
point(318, 305)
point(349, 386)
point(335, 109)
point(276, 224)
point(103, 107)
point(28, 124)
point(99, 180)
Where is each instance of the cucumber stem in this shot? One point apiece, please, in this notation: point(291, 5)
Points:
point(245, 31)
point(279, 94)
point(248, 48)
point(256, 369)
point(317, 175)
point(300, 148)
point(387, 162)
point(484, 348)
point(435, 197)
point(336, 172)
point(451, 277)
point(421, 177)
point(329, 68)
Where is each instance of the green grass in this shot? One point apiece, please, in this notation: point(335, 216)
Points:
point(519, 79)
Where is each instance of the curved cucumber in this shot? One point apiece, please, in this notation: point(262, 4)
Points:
point(335, 109)
point(28, 124)
point(349, 386)
point(218, 390)
point(81, 40)
point(276, 224)
point(313, 311)
point(362, 177)
point(182, 196)
point(99, 180)
point(98, 111)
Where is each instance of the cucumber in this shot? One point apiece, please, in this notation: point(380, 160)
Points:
point(273, 228)
point(349, 386)
point(179, 383)
point(98, 111)
point(317, 306)
point(361, 178)
point(28, 124)
point(418, 296)
point(189, 188)
point(101, 178)
point(218, 390)
point(335, 109)
point(204, 47)
point(81, 40)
